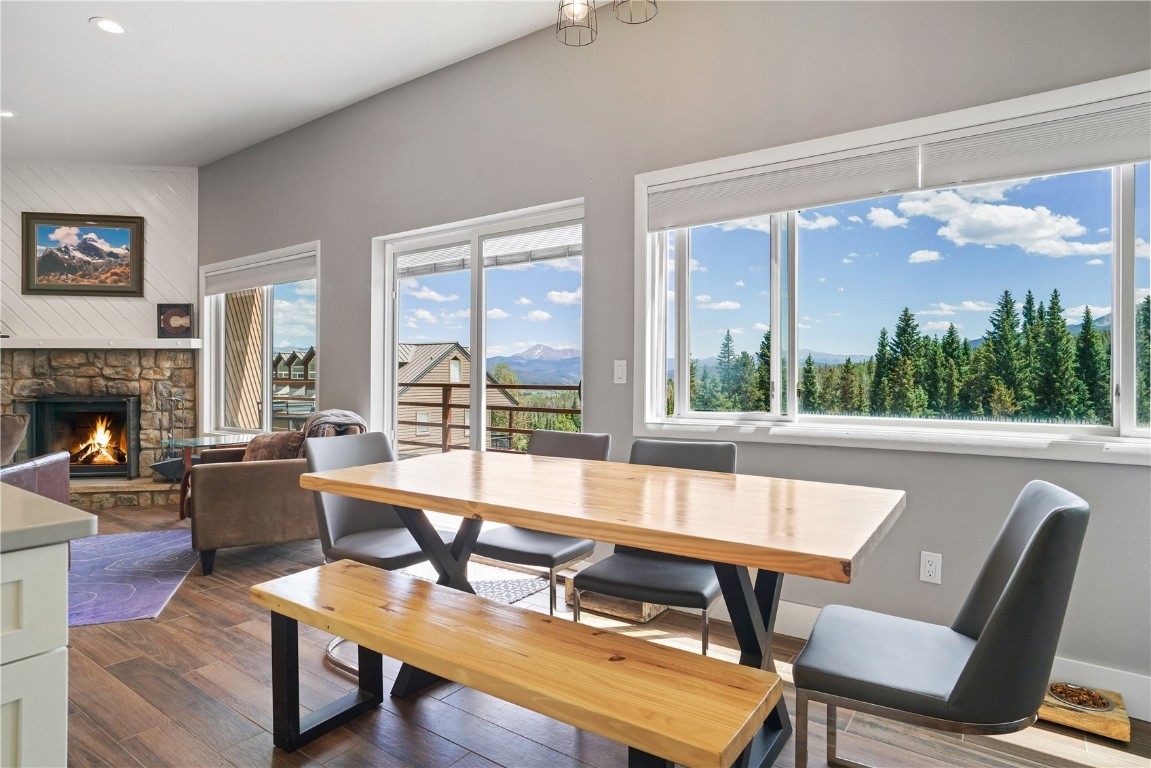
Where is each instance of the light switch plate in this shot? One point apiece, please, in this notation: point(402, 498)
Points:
point(621, 371)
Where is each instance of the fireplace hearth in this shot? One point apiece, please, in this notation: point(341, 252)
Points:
point(101, 434)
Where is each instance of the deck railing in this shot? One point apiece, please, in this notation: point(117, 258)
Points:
point(508, 423)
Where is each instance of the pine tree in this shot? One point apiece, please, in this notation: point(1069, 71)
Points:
point(905, 342)
point(763, 369)
point(829, 388)
point(907, 398)
point(1029, 314)
point(746, 397)
point(877, 398)
point(1058, 391)
point(952, 346)
point(975, 391)
point(847, 387)
point(1004, 338)
point(708, 395)
point(725, 367)
point(809, 399)
point(951, 385)
point(935, 368)
point(1143, 362)
point(1094, 372)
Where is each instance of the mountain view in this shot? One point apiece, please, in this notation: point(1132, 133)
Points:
point(89, 257)
point(541, 364)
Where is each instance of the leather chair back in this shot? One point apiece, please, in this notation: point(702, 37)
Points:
point(1016, 607)
point(682, 454)
point(338, 516)
point(594, 446)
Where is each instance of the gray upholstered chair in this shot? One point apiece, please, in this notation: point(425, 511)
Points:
point(535, 548)
point(988, 671)
point(368, 532)
point(638, 574)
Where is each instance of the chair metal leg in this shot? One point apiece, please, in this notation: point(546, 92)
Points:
point(800, 729)
point(575, 605)
point(704, 632)
point(552, 594)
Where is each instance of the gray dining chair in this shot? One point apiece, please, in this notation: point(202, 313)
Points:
point(988, 671)
point(537, 549)
point(632, 573)
point(368, 532)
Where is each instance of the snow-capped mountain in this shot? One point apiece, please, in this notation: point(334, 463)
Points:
point(544, 352)
point(88, 256)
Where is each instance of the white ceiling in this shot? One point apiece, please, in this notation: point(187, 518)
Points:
point(195, 81)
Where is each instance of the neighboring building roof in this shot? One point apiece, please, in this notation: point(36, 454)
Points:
point(415, 361)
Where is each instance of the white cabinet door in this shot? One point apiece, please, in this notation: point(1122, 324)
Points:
point(33, 601)
point(34, 710)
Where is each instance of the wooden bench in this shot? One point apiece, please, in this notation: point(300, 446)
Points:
point(666, 704)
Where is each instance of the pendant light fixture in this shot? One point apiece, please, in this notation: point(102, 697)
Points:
point(576, 24)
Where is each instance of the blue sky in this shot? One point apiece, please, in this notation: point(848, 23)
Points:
point(945, 254)
point(54, 235)
point(527, 304)
point(293, 316)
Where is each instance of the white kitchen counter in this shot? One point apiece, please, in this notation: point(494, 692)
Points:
point(28, 520)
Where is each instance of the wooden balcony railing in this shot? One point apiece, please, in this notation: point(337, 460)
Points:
point(506, 420)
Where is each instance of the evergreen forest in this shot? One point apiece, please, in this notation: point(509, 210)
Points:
point(1028, 366)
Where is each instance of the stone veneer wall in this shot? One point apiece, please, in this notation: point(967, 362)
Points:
point(152, 374)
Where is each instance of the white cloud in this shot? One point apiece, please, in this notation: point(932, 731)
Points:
point(756, 224)
point(65, 235)
point(703, 297)
point(1036, 230)
point(1094, 262)
point(963, 306)
point(805, 317)
point(821, 221)
point(840, 290)
point(822, 280)
point(991, 192)
point(697, 267)
point(1104, 230)
point(416, 291)
point(740, 284)
point(939, 325)
point(305, 288)
point(570, 264)
point(721, 305)
point(497, 314)
point(523, 301)
point(459, 313)
point(418, 316)
point(1142, 293)
point(835, 314)
point(855, 219)
point(804, 327)
point(1075, 314)
point(566, 297)
point(922, 257)
point(537, 315)
point(1142, 248)
point(885, 218)
point(848, 261)
point(761, 327)
point(735, 331)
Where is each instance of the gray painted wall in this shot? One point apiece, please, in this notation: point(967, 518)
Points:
point(534, 122)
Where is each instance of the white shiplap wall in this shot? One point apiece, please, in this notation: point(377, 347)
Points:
point(167, 198)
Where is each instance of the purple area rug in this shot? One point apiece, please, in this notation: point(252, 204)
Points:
point(126, 576)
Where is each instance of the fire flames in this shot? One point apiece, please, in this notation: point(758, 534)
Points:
point(98, 447)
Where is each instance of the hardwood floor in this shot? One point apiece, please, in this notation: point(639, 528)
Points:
point(193, 688)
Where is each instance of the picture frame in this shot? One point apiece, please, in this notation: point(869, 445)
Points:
point(82, 254)
point(174, 321)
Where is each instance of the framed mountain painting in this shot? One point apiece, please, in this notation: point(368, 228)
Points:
point(82, 254)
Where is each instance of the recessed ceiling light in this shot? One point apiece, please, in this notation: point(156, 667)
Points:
point(108, 25)
point(7, 113)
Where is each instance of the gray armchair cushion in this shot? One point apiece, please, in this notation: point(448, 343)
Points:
point(886, 660)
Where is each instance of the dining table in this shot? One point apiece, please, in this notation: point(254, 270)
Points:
point(754, 529)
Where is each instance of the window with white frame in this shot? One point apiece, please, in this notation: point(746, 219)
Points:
point(260, 338)
point(991, 275)
point(491, 343)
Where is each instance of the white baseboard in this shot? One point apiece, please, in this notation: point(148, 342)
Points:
point(796, 620)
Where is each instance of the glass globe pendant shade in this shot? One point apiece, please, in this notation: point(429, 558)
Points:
point(575, 24)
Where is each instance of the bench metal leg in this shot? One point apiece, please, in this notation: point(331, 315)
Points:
point(289, 730)
point(639, 759)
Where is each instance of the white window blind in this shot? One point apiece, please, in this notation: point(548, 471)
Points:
point(1093, 135)
point(1060, 142)
point(532, 245)
point(430, 261)
point(783, 187)
point(239, 277)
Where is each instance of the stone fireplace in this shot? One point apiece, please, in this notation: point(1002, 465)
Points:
point(100, 434)
point(149, 375)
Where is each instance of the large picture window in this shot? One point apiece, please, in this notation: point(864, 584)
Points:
point(1015, 302)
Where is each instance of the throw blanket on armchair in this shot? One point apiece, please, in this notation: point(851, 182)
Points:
point(333, 422)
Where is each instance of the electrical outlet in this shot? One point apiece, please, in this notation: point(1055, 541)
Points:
point(931, 567)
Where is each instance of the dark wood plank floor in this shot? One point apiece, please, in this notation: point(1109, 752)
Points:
point(193, 688)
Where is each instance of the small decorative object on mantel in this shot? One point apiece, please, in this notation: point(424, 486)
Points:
point(174, 321)
point(1094, 711)
point(82, 254)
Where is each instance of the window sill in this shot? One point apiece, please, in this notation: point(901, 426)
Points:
point(1054, 447)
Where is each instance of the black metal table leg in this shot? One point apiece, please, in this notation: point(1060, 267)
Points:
point(752, 609)
point(289, 730)
point(451, 563)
